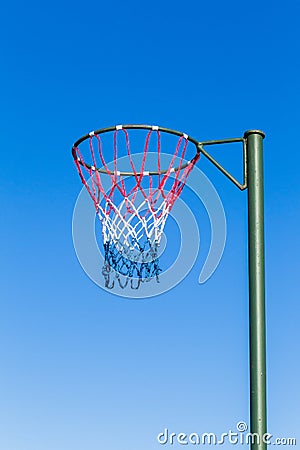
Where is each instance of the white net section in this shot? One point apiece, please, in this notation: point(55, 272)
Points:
point(141, 228)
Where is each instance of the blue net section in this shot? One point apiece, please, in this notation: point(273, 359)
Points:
point(130, 265)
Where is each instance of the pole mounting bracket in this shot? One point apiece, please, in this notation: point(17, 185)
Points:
point(242, 186)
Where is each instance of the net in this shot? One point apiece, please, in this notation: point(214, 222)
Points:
point(134, 208)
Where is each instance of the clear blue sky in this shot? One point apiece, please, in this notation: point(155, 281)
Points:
point(82, 369)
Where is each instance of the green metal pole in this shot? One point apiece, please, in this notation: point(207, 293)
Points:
point(258, 414)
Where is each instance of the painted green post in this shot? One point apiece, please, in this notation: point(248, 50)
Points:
point(258, 419)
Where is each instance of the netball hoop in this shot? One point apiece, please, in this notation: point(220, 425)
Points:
point(132, 225)
point(133, 209)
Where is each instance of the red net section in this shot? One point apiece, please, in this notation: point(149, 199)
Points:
point(156, 182)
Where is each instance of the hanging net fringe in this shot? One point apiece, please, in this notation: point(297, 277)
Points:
point(133, 215)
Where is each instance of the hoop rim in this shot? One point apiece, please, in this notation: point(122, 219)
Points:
point(135, 127)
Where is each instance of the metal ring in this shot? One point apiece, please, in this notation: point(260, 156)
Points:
point(136, 127)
